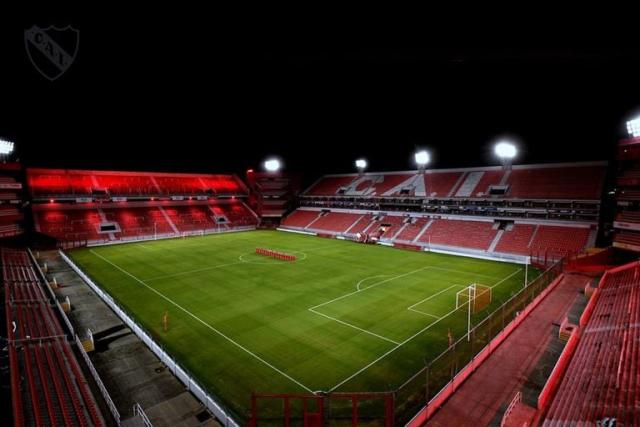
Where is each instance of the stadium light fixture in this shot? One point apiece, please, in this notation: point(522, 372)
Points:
point(422, 158)
point(633, 127)
point(505, 150)
point(361, 164)
point(272, 165)
point(6, 147)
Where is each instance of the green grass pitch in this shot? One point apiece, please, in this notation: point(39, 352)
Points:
point(344, 317)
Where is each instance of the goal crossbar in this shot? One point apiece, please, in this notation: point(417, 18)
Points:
point(479, 296)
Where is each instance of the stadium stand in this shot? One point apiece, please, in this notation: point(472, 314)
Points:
point(100, 223)
point(78, 207)
point(560, 239)
point(272, 193)
point(392, 224)
point(456, 233)
point(300, 218)
point(11, 215)
point(601, 383)
point(412, 230)
point(627, 220)
point(48, 386)
point(552, 181)
point(464, 234)
point(68, 184)
point(517, 240)
point(338, 222)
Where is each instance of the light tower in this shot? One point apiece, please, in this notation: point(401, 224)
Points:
point(6, 148)
point(506, 152)
point(633, 127)
point(422, 159)
point(272, 165)
point(361, 165)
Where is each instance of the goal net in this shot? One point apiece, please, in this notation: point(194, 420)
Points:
point(479, 296)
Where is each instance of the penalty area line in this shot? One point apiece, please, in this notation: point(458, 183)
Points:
point(240, 346)
point(349, 378)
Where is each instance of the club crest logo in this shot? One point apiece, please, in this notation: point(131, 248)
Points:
point(52, 50)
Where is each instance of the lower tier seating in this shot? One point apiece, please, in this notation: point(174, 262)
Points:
point(107, 222)
point(511, 238)
point(602, 380)
point(48, 386)
point(465, 234)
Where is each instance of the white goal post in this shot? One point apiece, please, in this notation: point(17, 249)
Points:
point(479, 295)
point(476, 297)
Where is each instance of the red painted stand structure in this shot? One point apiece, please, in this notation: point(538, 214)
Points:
point(319, 409)
point(283, 256)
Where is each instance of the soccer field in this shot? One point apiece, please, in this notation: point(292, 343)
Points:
point(343, 317)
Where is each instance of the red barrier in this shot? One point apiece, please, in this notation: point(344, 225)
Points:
point(438, 400)
point(553, 382)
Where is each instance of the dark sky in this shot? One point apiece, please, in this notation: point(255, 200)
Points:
point(177, 96)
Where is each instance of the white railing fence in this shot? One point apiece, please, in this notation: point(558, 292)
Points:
point(198, 391)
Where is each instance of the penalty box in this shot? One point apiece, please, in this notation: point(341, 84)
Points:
point(394, 307)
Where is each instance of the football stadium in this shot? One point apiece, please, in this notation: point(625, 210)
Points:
point(500, 289)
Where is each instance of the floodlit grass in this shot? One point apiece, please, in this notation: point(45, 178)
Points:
point(344, 317)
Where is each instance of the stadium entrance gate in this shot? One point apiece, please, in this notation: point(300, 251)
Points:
point(321, 409)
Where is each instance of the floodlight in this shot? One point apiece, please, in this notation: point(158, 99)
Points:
point(361, 164)
point(6, 147)
point(422, 158)
point(505, 150)
point(272, 165)
point(633, 127)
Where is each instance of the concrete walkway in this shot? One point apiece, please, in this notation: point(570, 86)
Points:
point(482, 399)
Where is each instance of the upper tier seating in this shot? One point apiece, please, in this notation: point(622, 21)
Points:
point(55, 183)
point(567, 181)
point(464, 234)
point(329, 185)
point(602, 379)
point(440, 184)
point(47, 384)
point(557, 183)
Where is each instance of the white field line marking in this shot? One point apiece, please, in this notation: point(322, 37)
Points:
point(203, 322)
point(354, 327)
point(369, 287)
point(428, 298)
point(464, 272)
point(408, 339)
point(434, 295)
point(370, 277)
point(506, 278)
point(182, 273)
point(423, 312)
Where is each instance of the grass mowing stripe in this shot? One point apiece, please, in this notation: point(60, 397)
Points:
point(203, 322)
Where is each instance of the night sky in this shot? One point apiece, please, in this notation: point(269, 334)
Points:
point(176, 96)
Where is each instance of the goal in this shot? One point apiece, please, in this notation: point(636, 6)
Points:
point(479, 296)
